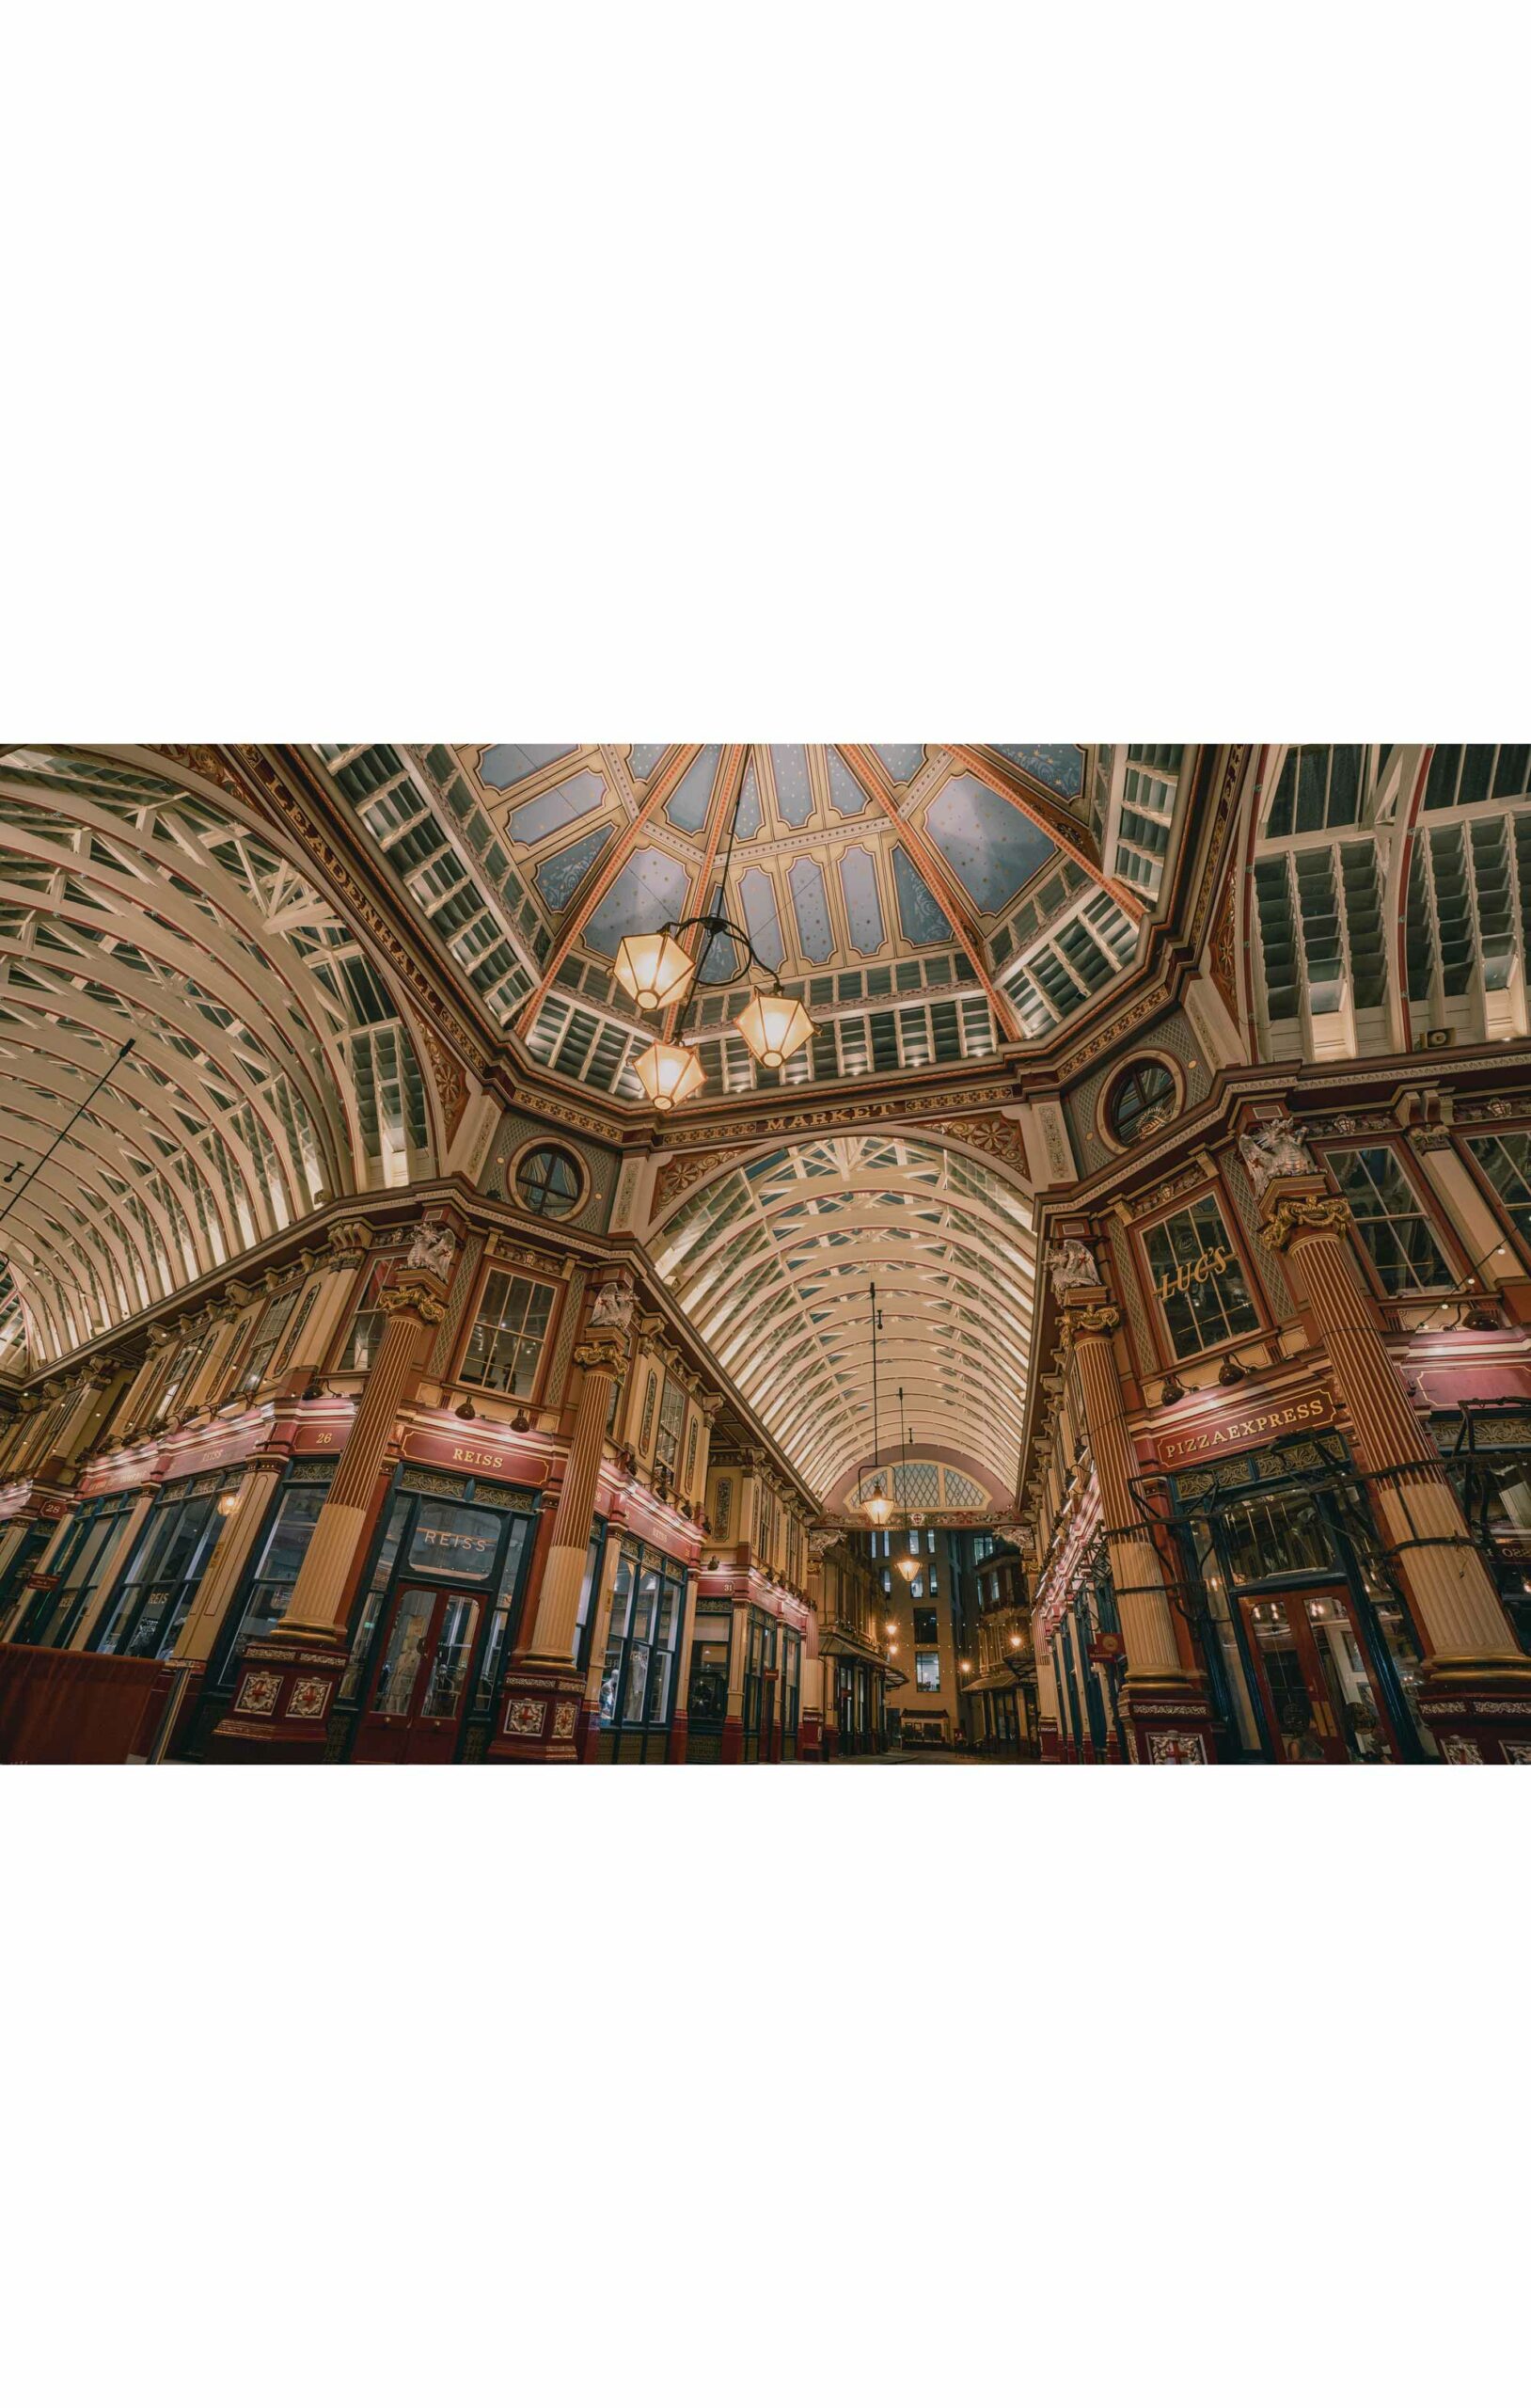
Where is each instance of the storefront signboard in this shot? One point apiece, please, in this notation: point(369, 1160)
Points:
point(455, 1451)
point(1232, 1430)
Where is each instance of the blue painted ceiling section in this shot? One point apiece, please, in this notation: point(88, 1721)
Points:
point(560, 873)
point(924, 921)
point(506, 765)
point(993, 848)
point(651, 889)
point(1058, 766)
point(531, 822)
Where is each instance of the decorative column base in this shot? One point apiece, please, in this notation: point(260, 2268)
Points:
point(1049, 1741)
point(810, 1739)
point(679, 1738)
point(1478, 1713)
point(539, 1719)
point(280, 1712)
point(731, 1745)
point(1167, 1720)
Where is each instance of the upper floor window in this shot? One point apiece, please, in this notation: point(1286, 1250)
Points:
point(509, 1329)
point(927, 1671)
point(1389, 1220)
point(368, 1321)
point(1199, 1279)
point(1142, 1098)
point(548, 1182)
point(667, 1445)
point(1506, 1162)
point(268, 1329)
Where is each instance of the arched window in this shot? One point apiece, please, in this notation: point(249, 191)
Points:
point(1142, 1098)
point(548, 1183)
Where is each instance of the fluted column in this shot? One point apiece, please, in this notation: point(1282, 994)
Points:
point(600, 1356)
point(1164, 1703)
point(1455, 1607)
point(318, 1603)
point(1048, 1724)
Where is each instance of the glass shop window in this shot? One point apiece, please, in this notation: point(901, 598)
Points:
point(927, 1672)
point(502, 1614)
point(368, 1321)
point(376, 1596)
point(647, 1605)
point(926, 1626)
point(667, 1445)
point(510, 1330)
point(162, 1573)
point(54, 1617)
point(1269, 1535)
point(1506, 1162)
point(707, 1700)
point(274, 1320)
point(1389, 1220)
point(281, 1558)
point(453, 1542)
point(1198, 1280)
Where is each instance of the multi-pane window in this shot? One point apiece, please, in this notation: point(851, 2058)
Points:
point(1389, 1221)
point(638, 1678)
point(368, 1321)
point(1198, 1280)
point(268, 1329)
point(55, 1614)
point(927, 1629)
point(928, 1670)
point(1144, 1093)
point(281, 1556)
point(548, 1182)
point(161, 1574)
point(667, 1445)
point(1506, 1162)
point(510, 1330)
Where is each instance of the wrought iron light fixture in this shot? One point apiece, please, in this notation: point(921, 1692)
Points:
point(660, 971)
point(879, 1505)
point(908, 1563)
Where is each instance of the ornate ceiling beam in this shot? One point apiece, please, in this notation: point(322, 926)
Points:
point(600, 879)
point(944, 884)
point(1046, 812)
point(725, 796)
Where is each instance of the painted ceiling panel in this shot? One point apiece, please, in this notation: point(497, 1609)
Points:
point(563, 804)
point(864, 911)
point(560, 873)
point(644, 759)
point(992, 846)
point(1058, 766)
point(810, 908)
point(793, 796)
point(924, 921)
point(900, 760)
point(844, 788)
point(688, 806)
point(506, 765)
point(651, 889)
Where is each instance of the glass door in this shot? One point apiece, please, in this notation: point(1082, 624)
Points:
point(415, 1705)
point(1317, 1685)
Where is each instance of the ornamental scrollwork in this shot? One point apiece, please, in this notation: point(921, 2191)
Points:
point(1320, 1215)
point(1090, 1320)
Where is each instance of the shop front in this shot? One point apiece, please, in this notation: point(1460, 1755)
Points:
point(1310, 1651)
point(439, 1614)
point(643, 1638)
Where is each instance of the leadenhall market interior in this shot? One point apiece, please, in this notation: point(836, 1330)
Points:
point(765, 1253)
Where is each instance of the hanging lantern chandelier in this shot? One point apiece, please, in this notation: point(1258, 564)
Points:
point(909, 1563)
point(660, 971)
point(876, 1504)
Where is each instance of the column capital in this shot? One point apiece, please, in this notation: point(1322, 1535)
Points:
point(405, 1294)
point(1088, 1318)
point(601, 1350)
point(1294, 1208)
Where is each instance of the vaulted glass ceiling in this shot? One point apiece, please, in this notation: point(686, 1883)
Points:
point(773, 1264)
point(269, 1067)
point(1391, 897)
point(928, 903)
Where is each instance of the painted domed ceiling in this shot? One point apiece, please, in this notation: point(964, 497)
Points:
point(926, 902)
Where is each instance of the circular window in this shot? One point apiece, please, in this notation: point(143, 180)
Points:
point(1142, 1099)
point(548, 1182)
